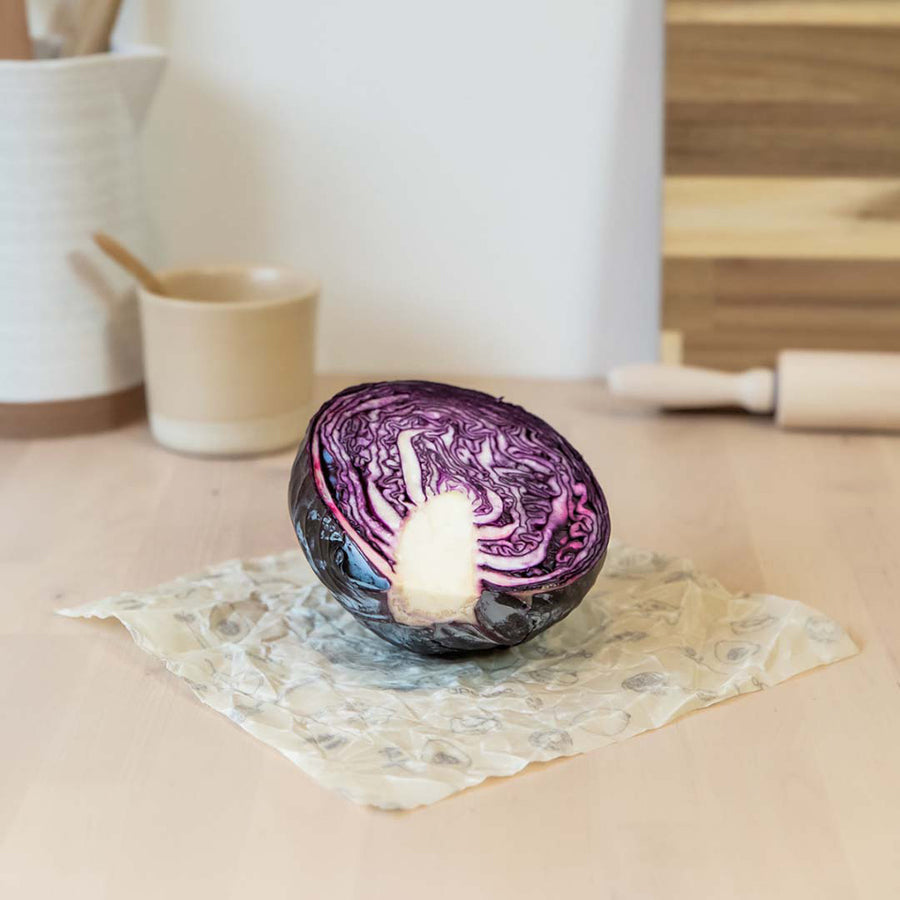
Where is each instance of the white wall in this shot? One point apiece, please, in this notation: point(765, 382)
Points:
point(476, 183)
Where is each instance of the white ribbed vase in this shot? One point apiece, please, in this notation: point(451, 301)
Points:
point(68, 167)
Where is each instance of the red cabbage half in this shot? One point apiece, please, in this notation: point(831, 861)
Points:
point(446, 520)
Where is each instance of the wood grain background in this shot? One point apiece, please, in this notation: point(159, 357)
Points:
point(782, 199)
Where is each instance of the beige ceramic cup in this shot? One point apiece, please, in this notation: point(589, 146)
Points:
point(228, 358)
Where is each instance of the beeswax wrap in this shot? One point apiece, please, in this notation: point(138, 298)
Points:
point(262, 642)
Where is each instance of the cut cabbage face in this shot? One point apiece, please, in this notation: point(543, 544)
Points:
point(444, 519)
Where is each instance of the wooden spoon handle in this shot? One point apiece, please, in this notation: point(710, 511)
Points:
point(63, 24)
point(15, 41)
point(94, 30)
point(128, 261)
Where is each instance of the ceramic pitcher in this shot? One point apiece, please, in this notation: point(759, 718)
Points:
point(69, 166)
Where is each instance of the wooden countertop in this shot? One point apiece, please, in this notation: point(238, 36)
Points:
point(115, 782)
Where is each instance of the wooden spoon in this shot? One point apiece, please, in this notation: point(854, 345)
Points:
point(128, 261)
point(63, 24)
point(97, 18)
point(15, 41)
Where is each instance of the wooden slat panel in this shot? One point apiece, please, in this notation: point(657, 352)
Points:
point(797, 283)
point(735, 313)
point(786, 12)
point(734, 351)
point(782, 217)
point(782, 201)
point(786, 139)
point(771, 63)
point(689, 294)
point(671, 348)
point(786, 324)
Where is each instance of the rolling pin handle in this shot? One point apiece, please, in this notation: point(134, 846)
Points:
point(687, 387)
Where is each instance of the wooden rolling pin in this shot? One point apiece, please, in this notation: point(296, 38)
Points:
point(809, 389)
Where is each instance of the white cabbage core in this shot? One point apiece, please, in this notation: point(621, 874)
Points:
point(435, 573)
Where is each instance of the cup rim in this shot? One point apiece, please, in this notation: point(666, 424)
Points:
point(311, 287)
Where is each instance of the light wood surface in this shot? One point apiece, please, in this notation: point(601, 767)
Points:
point(115, 782)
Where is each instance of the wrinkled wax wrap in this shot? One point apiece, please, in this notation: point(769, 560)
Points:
point(262, 642)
